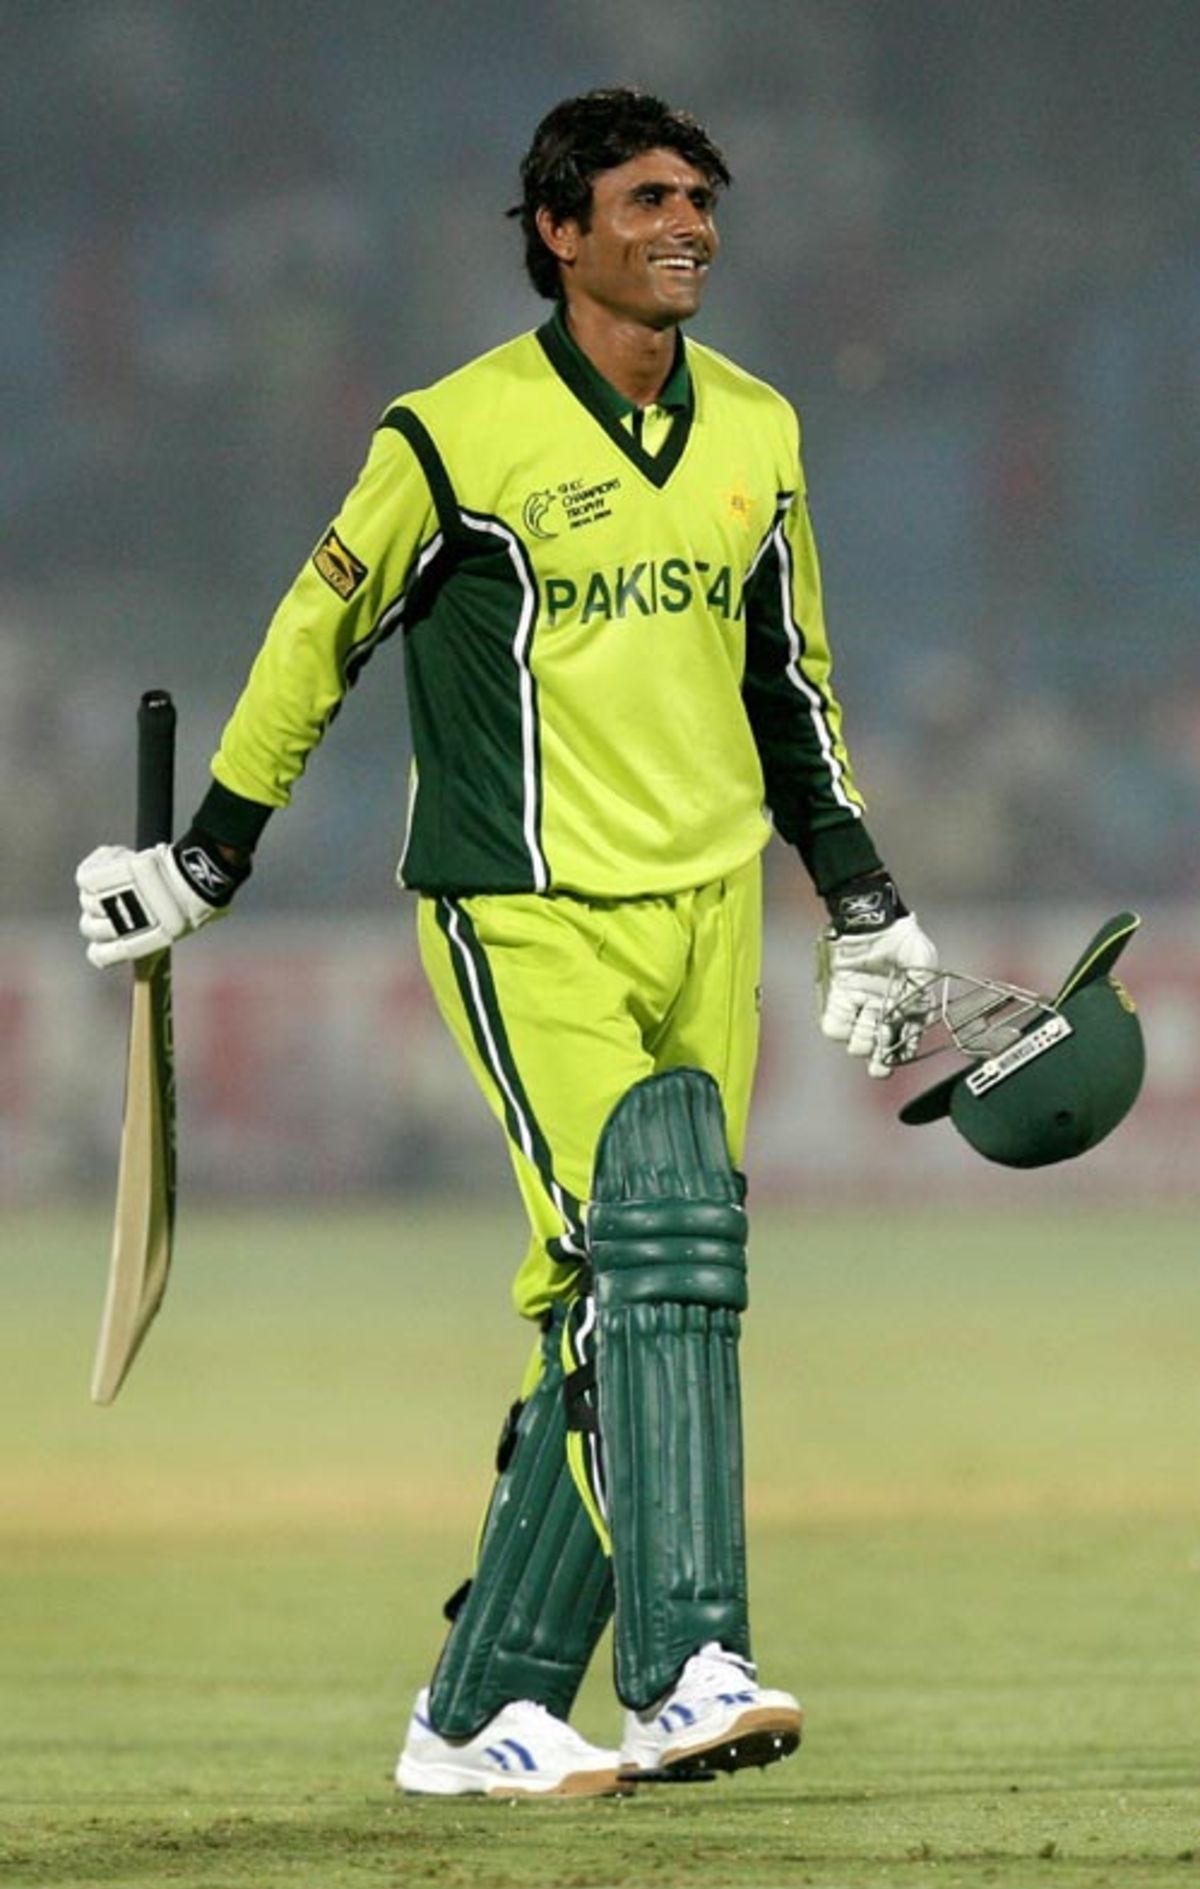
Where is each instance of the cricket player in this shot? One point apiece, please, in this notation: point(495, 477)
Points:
point(594, 547)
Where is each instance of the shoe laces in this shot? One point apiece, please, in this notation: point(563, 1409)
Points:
point(714, 1669)
point(532, 1716)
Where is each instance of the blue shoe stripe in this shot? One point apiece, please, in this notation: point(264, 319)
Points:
point(523, 1752)
point(675, 1717)
point(499, 1757)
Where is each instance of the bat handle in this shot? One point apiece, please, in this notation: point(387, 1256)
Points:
point(156, 768)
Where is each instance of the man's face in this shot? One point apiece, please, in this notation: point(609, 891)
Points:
point(649, 243)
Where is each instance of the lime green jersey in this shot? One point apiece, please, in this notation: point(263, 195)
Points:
point(616, 658)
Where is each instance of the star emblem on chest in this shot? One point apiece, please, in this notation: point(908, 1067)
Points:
point(739, 506)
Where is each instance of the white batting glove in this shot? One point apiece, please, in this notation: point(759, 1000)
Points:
point(866, 958)
point(135, 903)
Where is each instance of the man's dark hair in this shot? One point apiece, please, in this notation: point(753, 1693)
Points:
point(596, 132)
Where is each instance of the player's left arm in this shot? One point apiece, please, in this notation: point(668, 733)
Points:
point(815, 802)
point(794, 713)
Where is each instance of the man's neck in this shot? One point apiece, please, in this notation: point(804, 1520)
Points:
point(634, 359)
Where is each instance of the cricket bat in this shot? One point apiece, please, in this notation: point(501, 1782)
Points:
point(144, 1220)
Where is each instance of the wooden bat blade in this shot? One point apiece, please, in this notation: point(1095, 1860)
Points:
point(145, 1212)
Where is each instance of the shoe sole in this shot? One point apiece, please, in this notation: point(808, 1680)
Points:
point(580, 1784)
point(446, 1781)
point(760, 1737)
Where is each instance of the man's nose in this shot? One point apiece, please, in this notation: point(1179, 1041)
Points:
point(687, 218)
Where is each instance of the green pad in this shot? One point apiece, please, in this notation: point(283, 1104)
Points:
point(667, 1234)
point(542, 1591)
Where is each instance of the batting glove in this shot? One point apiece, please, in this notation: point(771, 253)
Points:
point(135, 903)
point(869, 961)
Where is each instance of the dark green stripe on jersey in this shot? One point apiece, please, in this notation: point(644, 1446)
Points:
point(405, 422)
point(468, 655)
point(807, 785)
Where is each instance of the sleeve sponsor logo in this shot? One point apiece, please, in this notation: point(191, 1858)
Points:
point(337, 564)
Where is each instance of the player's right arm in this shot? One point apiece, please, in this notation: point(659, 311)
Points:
point(348, 598)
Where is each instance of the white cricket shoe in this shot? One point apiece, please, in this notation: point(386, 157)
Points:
point(716, 1718)
point(523, 1752)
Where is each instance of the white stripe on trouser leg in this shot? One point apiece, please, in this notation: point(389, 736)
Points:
point(485, 1029)
point(592, 1438)
point(571, 1236)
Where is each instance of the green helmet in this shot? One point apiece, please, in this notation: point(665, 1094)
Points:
point(1051, 1077)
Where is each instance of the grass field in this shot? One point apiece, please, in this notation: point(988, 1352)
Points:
point(973, 1454)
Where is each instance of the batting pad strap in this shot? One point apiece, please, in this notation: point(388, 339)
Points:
point(667, 1234)
point(541, 1594)
point(579, 1397)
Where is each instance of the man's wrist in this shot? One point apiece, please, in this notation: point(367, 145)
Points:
point(212, 870)
point(229, 819)
point(865, 906)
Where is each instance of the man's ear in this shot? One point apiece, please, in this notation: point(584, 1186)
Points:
point(561, 239)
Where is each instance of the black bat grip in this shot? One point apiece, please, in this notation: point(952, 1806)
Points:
point(156, 768)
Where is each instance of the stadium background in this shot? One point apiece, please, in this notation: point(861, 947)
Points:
point(962, 238)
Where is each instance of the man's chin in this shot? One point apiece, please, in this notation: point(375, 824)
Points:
point(670, 310)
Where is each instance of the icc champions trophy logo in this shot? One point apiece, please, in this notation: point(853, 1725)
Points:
point(536, 510)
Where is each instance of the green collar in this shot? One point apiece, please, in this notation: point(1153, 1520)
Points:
point(611, 408)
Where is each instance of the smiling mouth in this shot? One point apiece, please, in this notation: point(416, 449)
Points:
point(681, 265)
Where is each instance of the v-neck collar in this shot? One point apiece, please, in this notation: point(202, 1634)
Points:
point(611, 408)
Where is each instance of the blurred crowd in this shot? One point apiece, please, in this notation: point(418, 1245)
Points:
point(962, 238)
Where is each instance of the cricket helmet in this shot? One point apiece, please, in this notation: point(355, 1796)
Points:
point(1049, 1077)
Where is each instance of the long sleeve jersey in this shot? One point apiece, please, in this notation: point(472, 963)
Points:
point(616, 660)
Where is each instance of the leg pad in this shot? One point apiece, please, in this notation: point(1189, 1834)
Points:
point(541, 1594)
point(667, 1235)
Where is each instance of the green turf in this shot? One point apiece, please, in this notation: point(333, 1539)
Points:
point(975, 1551)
